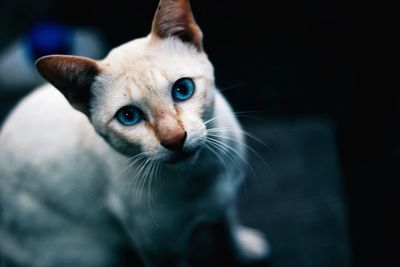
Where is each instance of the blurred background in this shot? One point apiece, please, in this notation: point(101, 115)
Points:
point(326, 194)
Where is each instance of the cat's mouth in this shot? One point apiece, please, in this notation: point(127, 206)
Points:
point(182, 156)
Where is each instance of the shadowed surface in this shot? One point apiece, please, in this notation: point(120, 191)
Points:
point(298, 203)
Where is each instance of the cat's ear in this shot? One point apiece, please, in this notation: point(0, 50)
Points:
point(72, 75)
point(175, 18)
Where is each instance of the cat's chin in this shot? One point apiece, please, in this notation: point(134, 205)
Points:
point(185, 158)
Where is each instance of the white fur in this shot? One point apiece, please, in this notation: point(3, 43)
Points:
point(63, 188)
point(253, 244)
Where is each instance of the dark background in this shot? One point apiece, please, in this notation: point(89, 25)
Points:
point(301, 66)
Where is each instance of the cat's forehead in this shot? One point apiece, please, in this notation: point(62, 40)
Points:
point(144, 72)
point(142, 59)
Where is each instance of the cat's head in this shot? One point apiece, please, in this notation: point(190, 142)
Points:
point(151, 95)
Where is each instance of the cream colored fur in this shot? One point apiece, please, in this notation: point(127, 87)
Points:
point(66, 181)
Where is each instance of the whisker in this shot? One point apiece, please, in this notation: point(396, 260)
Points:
point(210, 146)
point(133, 181)
point(234, 86)
point(143, 179)
point(224, 150)
point(134, 159)
point(247, 147)
point(138, 182)
point(255, 138)
point(127, 160)
point(136, 178)
point(141, 184)
point(229, 171)
point(230, 156)
point(238, 113)
point(244, 160)
point(149, 195)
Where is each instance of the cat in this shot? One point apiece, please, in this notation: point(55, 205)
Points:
point(139, 148)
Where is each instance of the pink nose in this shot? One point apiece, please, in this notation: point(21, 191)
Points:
point(175, 143)
point(170, 132)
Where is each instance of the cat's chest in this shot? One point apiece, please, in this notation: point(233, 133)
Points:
point(173, 193)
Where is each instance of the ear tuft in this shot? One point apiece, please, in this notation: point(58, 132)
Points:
point(72, 75)
point(175, 18)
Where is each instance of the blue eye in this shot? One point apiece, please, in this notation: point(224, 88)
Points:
point(183, 89)
point(129, 115)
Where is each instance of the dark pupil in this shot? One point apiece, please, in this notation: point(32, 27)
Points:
point(182, 89)
point(128, 115)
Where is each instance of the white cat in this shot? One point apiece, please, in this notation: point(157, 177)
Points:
point(151, 151)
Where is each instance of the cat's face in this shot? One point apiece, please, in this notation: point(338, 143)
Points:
point(153, 96)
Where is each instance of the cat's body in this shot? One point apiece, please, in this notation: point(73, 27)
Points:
point(84, 207)
point(71, 191)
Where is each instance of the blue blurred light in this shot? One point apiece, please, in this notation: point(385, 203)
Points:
point(47, 38)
